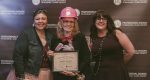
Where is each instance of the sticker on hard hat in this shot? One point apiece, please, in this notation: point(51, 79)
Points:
point(68, 13)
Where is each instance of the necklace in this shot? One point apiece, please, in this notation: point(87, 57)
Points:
point(100, 56)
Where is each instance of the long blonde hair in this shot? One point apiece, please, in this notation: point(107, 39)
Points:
point(60, 30)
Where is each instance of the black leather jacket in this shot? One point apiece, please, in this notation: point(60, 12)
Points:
point(27, 53)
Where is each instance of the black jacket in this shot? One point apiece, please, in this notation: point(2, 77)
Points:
point(80, 45)
point(27, 53)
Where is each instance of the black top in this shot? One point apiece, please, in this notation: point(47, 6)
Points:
point(109, 59)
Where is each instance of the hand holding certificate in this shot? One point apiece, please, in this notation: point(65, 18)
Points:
point(65, 61)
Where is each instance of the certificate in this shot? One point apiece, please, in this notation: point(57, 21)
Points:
point(65, 61)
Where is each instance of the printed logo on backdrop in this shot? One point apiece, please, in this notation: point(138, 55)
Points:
point(53, 1)
point(7, 61)
point(138, 74)
point(134, 23)
point(8, 37)
point(141, 52)
point(78, 12)
point(118, 2)
point(119, 23)
point(52, 25)
point(12, 12)
point(88, 12)
point(36, 2)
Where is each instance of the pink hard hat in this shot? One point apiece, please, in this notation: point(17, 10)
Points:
point(68, 12)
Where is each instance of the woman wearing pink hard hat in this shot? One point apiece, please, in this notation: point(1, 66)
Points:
point(71, 39)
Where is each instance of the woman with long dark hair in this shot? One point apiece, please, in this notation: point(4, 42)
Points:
point(110, 48)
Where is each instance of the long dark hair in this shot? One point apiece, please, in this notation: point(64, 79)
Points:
point(110, 24)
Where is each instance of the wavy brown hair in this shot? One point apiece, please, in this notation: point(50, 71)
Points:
point(60, 30)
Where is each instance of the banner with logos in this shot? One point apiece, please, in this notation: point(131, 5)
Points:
point(133, 16)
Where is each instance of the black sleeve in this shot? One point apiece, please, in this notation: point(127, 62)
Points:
point(21, 48)
point(84, 54)
point(54, 42)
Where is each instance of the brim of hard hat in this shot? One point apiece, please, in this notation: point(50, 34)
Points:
point(68, 17)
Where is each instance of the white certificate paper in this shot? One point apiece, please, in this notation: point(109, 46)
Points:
point(65, 61)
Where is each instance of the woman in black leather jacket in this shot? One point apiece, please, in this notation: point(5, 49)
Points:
point(32, 46)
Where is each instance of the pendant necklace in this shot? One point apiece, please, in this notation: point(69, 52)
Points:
point(100, 55)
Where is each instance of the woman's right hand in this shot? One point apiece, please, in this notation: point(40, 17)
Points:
point(50, 53)
point(68, 73)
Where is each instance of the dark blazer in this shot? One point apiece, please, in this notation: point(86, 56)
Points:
point(27, 53)
point(80, 45)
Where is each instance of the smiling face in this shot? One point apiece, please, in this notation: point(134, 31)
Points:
point(40, 21)
point(68, 24)
point(101, 23)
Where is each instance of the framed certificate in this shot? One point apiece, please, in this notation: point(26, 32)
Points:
point(65, 61)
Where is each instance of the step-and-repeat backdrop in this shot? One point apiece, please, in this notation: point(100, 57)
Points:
point(133, 16)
